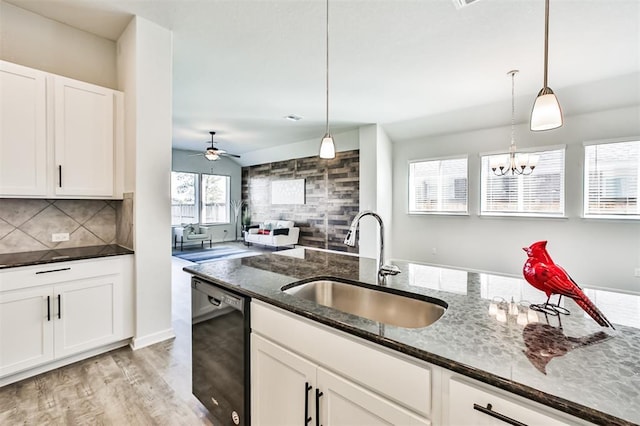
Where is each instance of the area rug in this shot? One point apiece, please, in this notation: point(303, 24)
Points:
point(212, 254)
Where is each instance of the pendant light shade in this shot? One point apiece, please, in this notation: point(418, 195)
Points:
point(327, 146)
point(546, 113)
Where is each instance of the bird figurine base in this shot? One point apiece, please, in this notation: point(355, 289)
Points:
point(550, 309)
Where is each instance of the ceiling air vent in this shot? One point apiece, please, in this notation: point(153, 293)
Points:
point(462, 3)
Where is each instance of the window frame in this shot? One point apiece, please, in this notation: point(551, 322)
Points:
point(198, 202)
point(533, 150)
point(201, 205)
point(411, 187)
point(196, 215)
point(585, 182)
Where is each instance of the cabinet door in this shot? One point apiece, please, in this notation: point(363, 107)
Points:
point(84, 139)
point(88, 314)
point(345, 403)
point(278, 385)
point(463, 398)
point(26, 329)
point(23, 144)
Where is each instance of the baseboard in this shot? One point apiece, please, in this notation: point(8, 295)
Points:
point(151, 339)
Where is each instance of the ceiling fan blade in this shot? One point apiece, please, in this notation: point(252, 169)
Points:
point(226, 154)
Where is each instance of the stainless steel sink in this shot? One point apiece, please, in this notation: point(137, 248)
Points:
point(375, 303)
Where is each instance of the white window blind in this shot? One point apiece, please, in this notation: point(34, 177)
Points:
point(538, 194)
point(611, 174)
point(438, 186)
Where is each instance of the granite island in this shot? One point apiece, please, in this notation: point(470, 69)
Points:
point(589, 372)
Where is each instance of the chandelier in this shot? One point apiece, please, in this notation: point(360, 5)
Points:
point(514, 162)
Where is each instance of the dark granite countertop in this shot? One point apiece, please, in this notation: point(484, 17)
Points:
point(582, 369)
point(41, 257)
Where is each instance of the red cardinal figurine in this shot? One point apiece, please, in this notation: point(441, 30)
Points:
point(542, 273)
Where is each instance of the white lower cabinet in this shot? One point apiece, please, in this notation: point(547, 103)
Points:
point(89, 314)
point(344, 403)
point(26, 329)
point(304, 374)
point(473, 404)
point(52, 312)
point(279, 381)
point(288, 389)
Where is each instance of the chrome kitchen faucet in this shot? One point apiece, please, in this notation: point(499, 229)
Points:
point(350, 240)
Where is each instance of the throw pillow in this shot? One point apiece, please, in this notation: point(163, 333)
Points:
point(264, 232)
point(281, 231)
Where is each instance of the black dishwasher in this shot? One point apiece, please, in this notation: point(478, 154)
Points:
point(220, 355)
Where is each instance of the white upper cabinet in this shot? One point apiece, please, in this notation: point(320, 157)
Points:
point(23, 131)
point(84, 148)
point(59, 138)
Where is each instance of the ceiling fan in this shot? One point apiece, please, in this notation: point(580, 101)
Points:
point(213, 153)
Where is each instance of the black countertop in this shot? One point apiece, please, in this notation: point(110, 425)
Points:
point(582, 369)
point(41, 257)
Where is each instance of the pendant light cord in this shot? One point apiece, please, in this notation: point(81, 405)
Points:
point(327, 73)
point(513, 108)
point(546, 41)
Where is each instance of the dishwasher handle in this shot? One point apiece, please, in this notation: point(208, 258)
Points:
point(214, 301)
point(217, 296)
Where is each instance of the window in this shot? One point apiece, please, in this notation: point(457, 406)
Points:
point(438, 186)
point(207, 202)
point(183, 198)
point(215, 198)
point(611, 174)
point(538, 194)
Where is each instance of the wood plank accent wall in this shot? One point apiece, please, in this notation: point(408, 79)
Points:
point(332, 194)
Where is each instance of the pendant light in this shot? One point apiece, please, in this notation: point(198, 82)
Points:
point(327, 146)
point(514, 163)
point(546, 113)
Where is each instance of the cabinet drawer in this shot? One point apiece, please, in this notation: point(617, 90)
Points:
point(51, 273)
point(463, 397)
point(401, 380)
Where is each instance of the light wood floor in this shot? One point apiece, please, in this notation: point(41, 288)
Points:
point(151, 386)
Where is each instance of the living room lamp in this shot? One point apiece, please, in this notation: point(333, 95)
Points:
point(327, 146)
point(516, 164)
point(546, 113)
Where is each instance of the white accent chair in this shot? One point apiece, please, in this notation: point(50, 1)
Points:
point(273, 233)
point(191, 232)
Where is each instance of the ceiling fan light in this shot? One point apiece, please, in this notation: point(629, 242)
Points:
point(546, 113)
point(211, 155)
point(327, 147)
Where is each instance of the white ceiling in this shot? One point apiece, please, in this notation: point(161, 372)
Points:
point(415, 66)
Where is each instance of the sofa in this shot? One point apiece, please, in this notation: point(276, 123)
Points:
point(273, 233)
point(191, 232)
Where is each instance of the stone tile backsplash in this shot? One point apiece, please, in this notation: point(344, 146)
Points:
point(332, 197)
point(27, 224)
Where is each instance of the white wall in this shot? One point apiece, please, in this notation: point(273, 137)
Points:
point(345, 141)
point(145, 75)
point(597, 253)
point(188, 161)
point(34, 41)
point(375, 189)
